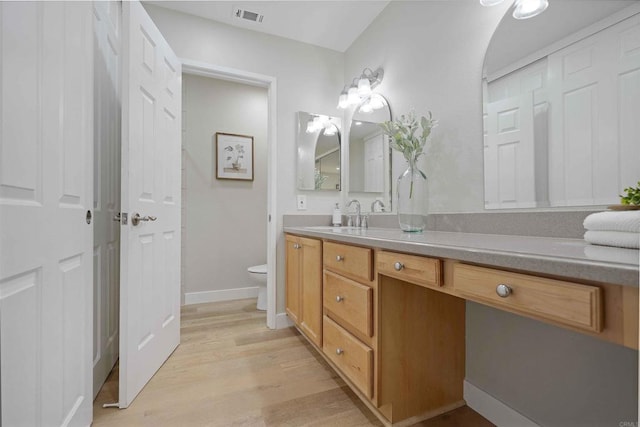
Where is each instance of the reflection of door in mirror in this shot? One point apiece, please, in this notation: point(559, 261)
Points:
point(366, 158)
point(327, 170)
point(369, 153)
point(318, 142)
point(560, 118)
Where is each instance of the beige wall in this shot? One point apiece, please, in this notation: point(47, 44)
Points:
point(224, 222)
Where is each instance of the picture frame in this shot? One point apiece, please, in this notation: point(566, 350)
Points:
point(234, 156)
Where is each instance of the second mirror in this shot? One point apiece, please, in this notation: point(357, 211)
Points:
point(369, 152)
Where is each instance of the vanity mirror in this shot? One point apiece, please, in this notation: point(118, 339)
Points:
point(561, 103)
point(318, 140)
point(369, 152)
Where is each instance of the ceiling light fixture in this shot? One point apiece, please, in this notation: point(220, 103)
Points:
point(523, 9)
point(529, 8)
point(360, 88)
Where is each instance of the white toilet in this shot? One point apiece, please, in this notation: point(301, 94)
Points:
point(259, 274)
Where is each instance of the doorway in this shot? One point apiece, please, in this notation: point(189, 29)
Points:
point(107, 299)
point(224, 188)
point(196, 68)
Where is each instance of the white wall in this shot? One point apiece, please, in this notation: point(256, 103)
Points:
point(432, 54)
point(309, 78)
point(224, 222)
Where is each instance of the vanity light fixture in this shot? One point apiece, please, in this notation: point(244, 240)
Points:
point(523, 9)
point(360, 88)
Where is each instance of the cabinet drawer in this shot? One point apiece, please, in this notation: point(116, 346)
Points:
point(350, 301)
point(410, 268)
point(352, 357)
point(566, 303)
point(350, 260)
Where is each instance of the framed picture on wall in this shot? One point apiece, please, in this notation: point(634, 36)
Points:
point(234, 156)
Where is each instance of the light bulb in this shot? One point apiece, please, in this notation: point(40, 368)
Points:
point(376, 102)
point(529, 8)
point(366, 107)
point(364, 86)
point(490, 2)
point(330, 130)
point(310, 126)
point(342, 101)
point(352, 96)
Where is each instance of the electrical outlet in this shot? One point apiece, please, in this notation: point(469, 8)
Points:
point(302, 203)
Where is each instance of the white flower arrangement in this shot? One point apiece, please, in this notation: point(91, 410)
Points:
point(403, 134)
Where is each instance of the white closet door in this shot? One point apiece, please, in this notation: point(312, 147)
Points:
point(509, 153)
point(150, 251)
point(46, 184)
point(593, 135)
point(627, 41)
point(106, 202)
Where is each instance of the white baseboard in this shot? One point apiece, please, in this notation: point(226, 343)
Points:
point(283, 321)
point(492, 409)
point(220, 295)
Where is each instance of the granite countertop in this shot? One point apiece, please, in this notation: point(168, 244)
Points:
point(570, 258)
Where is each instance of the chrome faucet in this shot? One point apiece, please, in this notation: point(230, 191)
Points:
point(358, 216)
point(377, 202)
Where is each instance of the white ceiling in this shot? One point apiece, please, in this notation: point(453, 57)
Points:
point(331, 24)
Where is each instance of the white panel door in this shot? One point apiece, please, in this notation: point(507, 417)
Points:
point(373, 167)
point(585, 81)
point(627, 40)
point(509, 153)
point(46, 184)
point(106, 201)
point(151, 156)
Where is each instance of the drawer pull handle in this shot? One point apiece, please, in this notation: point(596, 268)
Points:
point(503, 290)
point(398, 266)
point(296, 246)
point(339, 298)
point(339, 258)
point(339, 351)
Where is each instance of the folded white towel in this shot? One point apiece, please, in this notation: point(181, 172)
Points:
point(618, 239)
point(614, 221)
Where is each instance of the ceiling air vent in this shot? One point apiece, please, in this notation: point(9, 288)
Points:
point(247, 15)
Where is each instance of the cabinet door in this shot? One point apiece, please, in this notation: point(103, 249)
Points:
point(311, 289)
point(292, 296)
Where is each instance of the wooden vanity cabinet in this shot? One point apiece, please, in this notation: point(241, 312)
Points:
point(421, 339)
point(349, 292)
point(560, 302)
point(304, 285)
point(393, 324)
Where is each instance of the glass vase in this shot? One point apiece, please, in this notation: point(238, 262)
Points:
point(412, 195)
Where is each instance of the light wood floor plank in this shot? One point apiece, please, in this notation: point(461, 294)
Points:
point(230, 370)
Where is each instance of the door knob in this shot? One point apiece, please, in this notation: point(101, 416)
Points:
point(503, 290)
point(136, 218)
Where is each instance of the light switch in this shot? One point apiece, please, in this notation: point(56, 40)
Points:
point(302, 202)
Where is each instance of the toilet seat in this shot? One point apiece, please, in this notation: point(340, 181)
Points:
point(258, 269)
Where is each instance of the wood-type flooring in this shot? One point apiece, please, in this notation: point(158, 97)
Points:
point(230, 370)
